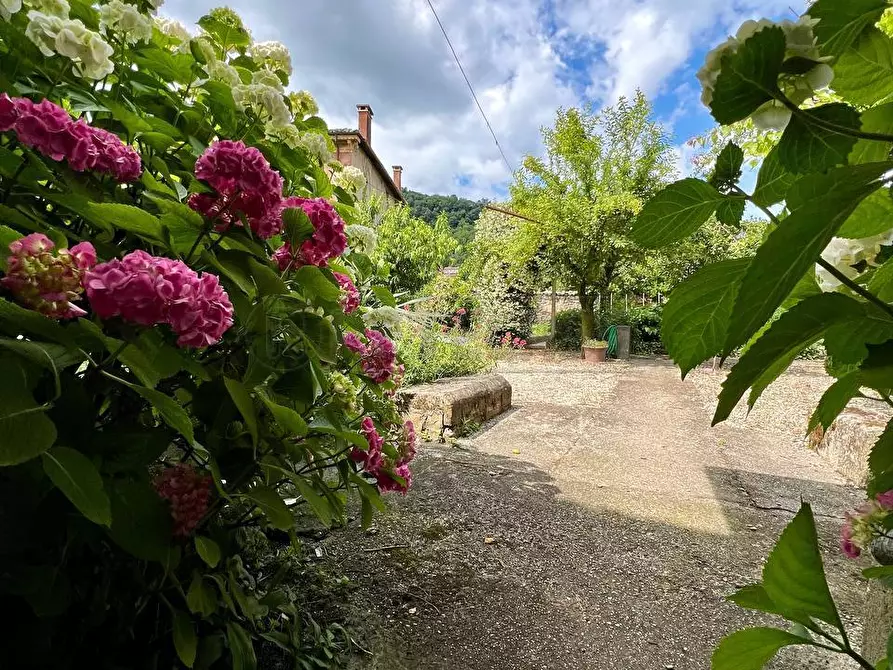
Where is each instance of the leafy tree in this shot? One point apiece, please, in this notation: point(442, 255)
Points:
point(585, 192)
point(460, 212)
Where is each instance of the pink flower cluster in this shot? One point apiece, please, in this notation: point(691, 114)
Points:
point(45, 280)
point(378, 354)
point(327, 242)
point(188, 493)
point(246, 186)
point(350, 296)
point(509, 340)
point(390, 474)
point(49, 129)
point(865, 523)
point(149, 290)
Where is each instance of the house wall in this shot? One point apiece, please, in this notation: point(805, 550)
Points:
point(348, 152)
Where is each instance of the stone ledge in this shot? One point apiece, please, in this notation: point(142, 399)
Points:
point(848, 441)
point(448, 406)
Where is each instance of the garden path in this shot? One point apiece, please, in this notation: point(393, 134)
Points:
point(597, 525)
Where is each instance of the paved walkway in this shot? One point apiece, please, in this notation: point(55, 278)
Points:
point(597, 525)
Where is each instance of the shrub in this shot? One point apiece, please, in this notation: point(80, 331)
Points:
point(568, 330)
point(429, 354)
point(173, 332)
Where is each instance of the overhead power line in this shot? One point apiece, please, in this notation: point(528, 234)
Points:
point(470, 87)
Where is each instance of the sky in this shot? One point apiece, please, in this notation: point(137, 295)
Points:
point(525, 58)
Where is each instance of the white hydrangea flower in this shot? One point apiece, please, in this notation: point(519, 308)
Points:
point(42, 30)
point(203, 46)
point(172, 28)
point(54, 35)
point(844, 253)
point(351, 179)
point(9, 7)
point(274, 55)
point(303, 104)
point(264, 101)
point(389, 317)
point(265, 77)
point(362, 238)
point(125, 20)
point(288, 135)
point(58, 8)
point(220, 71)
point(316, 145)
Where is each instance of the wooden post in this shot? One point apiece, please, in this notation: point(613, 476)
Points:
point(554, 309)
point(611, 307)
point(626, 302)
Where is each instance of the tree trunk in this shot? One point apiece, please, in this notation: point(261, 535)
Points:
point(587, 313)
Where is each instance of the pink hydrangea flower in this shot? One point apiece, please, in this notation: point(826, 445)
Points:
point(372, 457)
point(350, 296)
point(353, 342)
point(245, 184)
point(49, 129)
point(149, 290)
point(387, 483)
point(45, 280)
point(188, 493)
point(327, 242)
point(885, 500)
point(378, 362)
point(847, 545)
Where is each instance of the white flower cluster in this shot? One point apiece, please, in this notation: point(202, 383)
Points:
point(265, 102)
point(126, 21)
point(264, 77)
point(349, 178)
point(388, 317)
point(288, 135)
point(55, 35)
point(220, 71)
point(316, 145)
point(272, 55)
point(58, 8)
point(361, 238)
point(173, 29)
point(9, 7)
point(800, 42)
point(844, 253)
point(303, 104)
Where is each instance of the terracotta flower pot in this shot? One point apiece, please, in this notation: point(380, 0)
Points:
point(595, 354)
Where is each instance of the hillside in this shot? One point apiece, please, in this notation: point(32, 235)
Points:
point(461, 212)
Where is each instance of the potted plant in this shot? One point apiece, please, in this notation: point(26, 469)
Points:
point(595, 351)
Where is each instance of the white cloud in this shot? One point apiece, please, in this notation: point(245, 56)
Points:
point(525, 58)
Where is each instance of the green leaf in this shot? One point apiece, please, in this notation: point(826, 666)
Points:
point(245, 404)
point(319, 333)
point(76, 476)
point(863, 75)
point(174, 416)
point(752, 648)
point(318, 503)
point(125, 217)
point(880, 463)
point(273, 507)
point(841, 23)
point(385, 297)
point(754, 597)
point(748, 76)
point(847, 342)
point(697, 313)
point(875, 120)
point(807, 146)
point(185, 640)
point(728, 167)
point(881, 283)
point(873, 216)
point(790, 251)
point(297, 225)
point(878, 572)
point(141, 520)
point(240, 647)
point(675, 213)
point(25, 429)
point(730, 211)
point(286, 417)
point(794, 577)
point(208, 550)
point(314, 283)
point(834, 401)
point(773, 181)
point(201, 597)
point(266, 279)
point(796, 329)
point(876, 370)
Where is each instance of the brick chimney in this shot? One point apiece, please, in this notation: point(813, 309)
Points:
point(364, 122)
point(398, 176)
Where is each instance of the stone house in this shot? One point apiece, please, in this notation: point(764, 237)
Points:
point(354, 147)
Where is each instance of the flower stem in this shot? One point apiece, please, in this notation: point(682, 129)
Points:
point(833, 127)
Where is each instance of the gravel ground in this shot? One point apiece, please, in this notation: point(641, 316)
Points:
point(599, 524)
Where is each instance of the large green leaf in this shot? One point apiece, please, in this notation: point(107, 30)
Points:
point(848, 342)
point(834, 401)
point(141, 520)
point(25, 429)
point(174, 416)
point(878, 119)
point(864, 73)
point(790, 251)
point(318, 503)
point(319, 333)
point(730, 211)
point(240, 647)
point(76, 476)
point(208, 550)
point(125, 217)
point(286, 417)
point(313, 283)
point(697, 313)
point(793, 575)
point(727, 171)
point(881, 283)
point(273, 507)
point(201, 597)
point(754, 597)
point(675, 213)
point(773, 181)
point(880, 462)
point(185, 640)
point(873, 216)
point(808, 146)
point(748, 76)
point(245, 404)
point(752, 648)
point(797, 328)
point(842, 22)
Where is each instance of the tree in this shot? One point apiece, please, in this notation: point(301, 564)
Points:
point(585, 192)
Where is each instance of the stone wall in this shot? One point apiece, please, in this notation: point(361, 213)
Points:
point(848, 441)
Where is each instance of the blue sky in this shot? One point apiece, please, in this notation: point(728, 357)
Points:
point(525, 58)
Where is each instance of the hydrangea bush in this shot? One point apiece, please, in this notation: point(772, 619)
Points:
point(187, 341)
point(823, 272)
